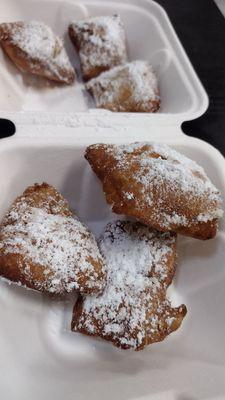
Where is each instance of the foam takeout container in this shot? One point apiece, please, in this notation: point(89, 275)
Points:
point(150, 36)
point(40, 357)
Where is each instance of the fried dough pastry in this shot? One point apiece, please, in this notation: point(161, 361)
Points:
point(133, 310)
point(100, 42)
point(45, 247)
point(130, 87)
point(34, 48)
point(159, 186)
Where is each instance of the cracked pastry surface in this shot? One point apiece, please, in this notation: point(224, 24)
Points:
point(133, 310)
point(45, 247)
point(34, 48)
point(131, 87)
point(100, 42)
point(159, 186)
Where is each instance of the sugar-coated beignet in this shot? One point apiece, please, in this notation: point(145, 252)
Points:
point(133, 310)
point(158, 186)
point(130, 87)
point(34, 48)
point(45, 247)
point(100, 42)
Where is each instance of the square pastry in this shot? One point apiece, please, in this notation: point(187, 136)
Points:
point(100, 42)
point(159, 186)
point(130, 87)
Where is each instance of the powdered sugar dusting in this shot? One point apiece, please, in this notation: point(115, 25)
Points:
point(170, 165)
point(39, 42)
point(137, 78)
point(218, 213)
point(134, 297)
point(174, 219)
point(158, 167)
point(61, 245)
point(101, 42)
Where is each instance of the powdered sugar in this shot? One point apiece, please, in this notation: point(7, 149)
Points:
point(137, 78)
point(101, 42)
point(137, 272)
point(173, 219)
point(129, 195)
point(61, 245)
point(159, 166)
point(170, 165)
point(39, 42)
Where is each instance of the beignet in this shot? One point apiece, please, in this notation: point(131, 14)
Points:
point(159, 186)
point(133, 310)
point(34, 48)
point(45, 247)
point(100, 42)
point(131, 87)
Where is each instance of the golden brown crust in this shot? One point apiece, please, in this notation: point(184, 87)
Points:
point(53, 66)
point(100, 42)
point(45, 247)
point(133, 310)
point(166, 191)
point(92, 71)
point(46, 197)
point(130, 87)
point(176, 314)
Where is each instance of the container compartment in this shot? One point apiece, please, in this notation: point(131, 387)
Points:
point(36, 344)
point(181, 91)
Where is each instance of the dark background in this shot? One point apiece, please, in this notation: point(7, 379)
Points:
point(201, 28)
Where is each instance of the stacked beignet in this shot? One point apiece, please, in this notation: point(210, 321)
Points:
point(133, 310)
point(115, 84)
point(159, 186)
point(166, 191)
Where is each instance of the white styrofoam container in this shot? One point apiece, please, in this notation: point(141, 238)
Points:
point(150, 36)
point(39, 357)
